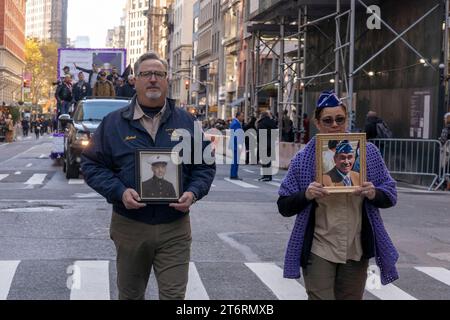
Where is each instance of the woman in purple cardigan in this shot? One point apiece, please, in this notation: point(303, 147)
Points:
point(335, 235)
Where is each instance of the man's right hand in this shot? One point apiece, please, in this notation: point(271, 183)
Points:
point(130, 199)
point(315, 190)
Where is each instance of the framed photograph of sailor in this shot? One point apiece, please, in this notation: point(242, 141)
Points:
point(341, 161)
point(158, 175)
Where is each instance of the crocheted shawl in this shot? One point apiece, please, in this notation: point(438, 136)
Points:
point(302, 172)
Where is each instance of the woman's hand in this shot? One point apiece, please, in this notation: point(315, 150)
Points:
point(366, 190)
point(315, 191)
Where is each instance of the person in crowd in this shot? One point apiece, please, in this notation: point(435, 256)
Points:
point(9, 124)
point(306, 129)
point(375, 127)
point(93, 74)
point(64, 95)
point(445, 154)
point(251, 125)
point(287, 134)
point(82, 89)
point(236, 144)
point(128, 90)
point(104, 87)
point(146, 235)
point(268, 124)
point(113, 76)
point(25, 127)
point(332, 268)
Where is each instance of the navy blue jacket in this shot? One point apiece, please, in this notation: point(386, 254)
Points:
point(108, 164)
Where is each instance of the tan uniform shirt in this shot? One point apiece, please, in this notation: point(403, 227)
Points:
point(337, 234)
point(150, 124)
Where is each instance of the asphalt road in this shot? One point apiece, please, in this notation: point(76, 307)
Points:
point(55, 237)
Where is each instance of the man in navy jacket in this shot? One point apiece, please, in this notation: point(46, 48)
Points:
point(146, 235)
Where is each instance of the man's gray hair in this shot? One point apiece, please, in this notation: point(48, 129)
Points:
point(149, 56)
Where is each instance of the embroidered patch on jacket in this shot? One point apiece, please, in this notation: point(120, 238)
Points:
point(130, 138)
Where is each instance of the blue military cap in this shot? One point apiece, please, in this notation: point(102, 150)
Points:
point(328, 99)
point(344, 147)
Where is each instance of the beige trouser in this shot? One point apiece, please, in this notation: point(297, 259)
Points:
point(140, 246)
point(325, 280)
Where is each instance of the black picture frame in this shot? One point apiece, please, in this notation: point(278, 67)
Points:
point(149, 187)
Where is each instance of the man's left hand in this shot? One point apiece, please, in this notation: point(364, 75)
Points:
point(184, 203)
point(366, 190)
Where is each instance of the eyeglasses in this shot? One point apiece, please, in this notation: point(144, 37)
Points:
point(159, 75)
point(328, 121)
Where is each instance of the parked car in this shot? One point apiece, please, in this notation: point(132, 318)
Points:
point(79, 129)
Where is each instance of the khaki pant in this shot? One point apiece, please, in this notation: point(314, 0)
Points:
point(140, 246)
point(325, 280)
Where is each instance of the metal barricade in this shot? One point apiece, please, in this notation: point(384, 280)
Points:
point(412, 157)
point(444, 164)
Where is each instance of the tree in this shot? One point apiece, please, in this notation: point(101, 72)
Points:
point(41, 61)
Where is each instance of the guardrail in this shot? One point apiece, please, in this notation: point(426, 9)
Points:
point(444, 164)
point(412, 157)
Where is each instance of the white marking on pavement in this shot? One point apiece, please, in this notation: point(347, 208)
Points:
point(242, 184)
point(3, 176)
point(76, 181)
point(7, 271)
point(272, 276)
point(17, 173)
point(213, 185)
point(275, 179)
point(276, 184)
point(445, 256)
point(87, 195)
point(390, 292)
point(441, 274)
point(37, 178)
point(246, 251)
point(90, 281)
point(249, 171)
point(19, 154)
point(42, 156)
point(29, 165)
point(195, 289)
point(29, 210)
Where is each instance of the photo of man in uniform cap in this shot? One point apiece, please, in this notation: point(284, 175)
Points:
point(342, 175)
point(158, 187)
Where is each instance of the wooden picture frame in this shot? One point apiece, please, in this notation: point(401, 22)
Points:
point(331, 174)
point(159, 176)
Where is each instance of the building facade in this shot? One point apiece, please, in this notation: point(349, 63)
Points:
point(181, 51)
point(158, 26)
point(136, 30)
point(47, 20)
point(12, 49)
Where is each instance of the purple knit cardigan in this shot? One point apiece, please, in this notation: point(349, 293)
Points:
point(302, 172)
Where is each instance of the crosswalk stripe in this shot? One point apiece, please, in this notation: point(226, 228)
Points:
point(272, 276)
point(76, 181)
point(90, 281)
point(7, 271)
point(249, 171)
point(37, 178)
point(3, 176)
point(441, 274)
point(242, 184)
point(390, 292)
point(195, 289)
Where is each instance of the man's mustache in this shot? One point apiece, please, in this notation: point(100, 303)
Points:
point(152, 87)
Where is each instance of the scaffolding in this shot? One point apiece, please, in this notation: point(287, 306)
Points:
point(285, 21)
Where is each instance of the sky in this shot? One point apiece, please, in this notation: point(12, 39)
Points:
point(93, 18)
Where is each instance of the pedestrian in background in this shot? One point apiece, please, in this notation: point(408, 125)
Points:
point(9, 122)
point(82, 89)
point(306, 129)
point(335, 235)
point(266, 124)
point(93, 74)
point(236, 144)
point(148, 236)
point(251, 125)
point(128, 90)
point(445, 154)
point(64, 95)
point(25, 127)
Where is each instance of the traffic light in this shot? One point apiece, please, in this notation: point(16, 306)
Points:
point(186, 83)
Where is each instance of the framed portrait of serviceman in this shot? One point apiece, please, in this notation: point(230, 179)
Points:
point(158, 176)
point(341, 161)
